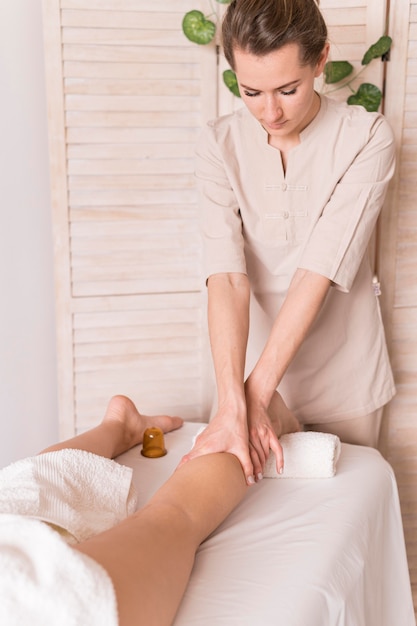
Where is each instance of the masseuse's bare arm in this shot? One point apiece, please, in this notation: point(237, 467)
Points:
point(228, 315)
point(228, 318)
point(301, 307)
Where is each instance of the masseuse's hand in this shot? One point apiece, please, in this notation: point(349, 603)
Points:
point(262, 437)
point(226, 432)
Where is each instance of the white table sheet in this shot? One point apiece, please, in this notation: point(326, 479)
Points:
point(297, 552)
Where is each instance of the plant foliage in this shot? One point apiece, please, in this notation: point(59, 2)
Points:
point(197, 28)
point(369, 96)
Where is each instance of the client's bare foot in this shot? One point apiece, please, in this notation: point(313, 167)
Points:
point(282, 419)
point(123, 411)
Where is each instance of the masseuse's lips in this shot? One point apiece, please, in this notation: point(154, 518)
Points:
point(275, 125)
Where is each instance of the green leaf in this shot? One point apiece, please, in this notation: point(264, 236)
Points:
point(334, 71)
point(378, 49)
point(224, 1)
point(197, 28)
point(230, 80)
point(368, 96)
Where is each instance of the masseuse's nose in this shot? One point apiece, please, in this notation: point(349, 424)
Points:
point(272, 109)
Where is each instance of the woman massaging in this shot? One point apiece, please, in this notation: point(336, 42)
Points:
point(291, 187)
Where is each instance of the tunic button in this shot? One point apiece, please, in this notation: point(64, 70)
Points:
point(284, 186)
point(286, 215)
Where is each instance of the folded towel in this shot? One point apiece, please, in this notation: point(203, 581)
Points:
point(76, 491)
point(306, 455)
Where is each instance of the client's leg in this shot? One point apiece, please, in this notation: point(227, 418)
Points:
point(150, 555)
point(121, 429)
point(362, 431)
point(282, 419)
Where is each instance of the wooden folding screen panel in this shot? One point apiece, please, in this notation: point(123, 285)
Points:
point(126, 102)
point(398, 262)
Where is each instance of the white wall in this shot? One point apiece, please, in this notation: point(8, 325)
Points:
point(28, 404)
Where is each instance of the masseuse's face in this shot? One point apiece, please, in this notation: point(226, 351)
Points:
point(279, 91)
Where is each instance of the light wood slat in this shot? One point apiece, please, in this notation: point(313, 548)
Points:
point(152, 316)
point(410, 127)
point(107, 347)
point(137, 259)
point(110, 198)
point(162, 268)
point(143, 88)
point(129, 119)
point(136, 262)
point(159, 6)
point(408, 171)
point(130, 103)
point(352, 5)
point(406, 285)
point(131, 54)
point(132, 71)
point(140, 246)
point(133, 151)
point(347, 35)
point(411, 101)
point(412, 49)
point(151, 181)
point(108, 167)
point(121, 19)
point(137, 136)
point(126, 287)
point(93, 368)
point(137, 302)
point(129, 231)
point(119, 214)
point(353, 52)
point(409, 154)
point(175, 397)
point(343, 15)
point(137, 332)
point(168, 371)
point(121, 37)
point(411, 68)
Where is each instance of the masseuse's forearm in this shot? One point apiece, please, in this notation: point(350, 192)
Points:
point(228, 319)
point(301, 307)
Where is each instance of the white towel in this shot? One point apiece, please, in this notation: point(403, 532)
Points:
point(45, 582)
point(74, 490)
point(306, 455)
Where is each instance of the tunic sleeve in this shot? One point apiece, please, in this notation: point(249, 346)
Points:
point(340, 237)
point(221, 223)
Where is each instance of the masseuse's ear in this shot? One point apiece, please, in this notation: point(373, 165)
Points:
point(322, 60)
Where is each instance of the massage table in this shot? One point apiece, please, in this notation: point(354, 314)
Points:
point(296, 552)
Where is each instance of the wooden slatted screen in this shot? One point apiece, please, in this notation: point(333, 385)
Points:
point(399, 259)
point(126, 100)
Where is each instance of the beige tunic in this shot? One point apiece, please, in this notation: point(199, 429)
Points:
point(318, 215)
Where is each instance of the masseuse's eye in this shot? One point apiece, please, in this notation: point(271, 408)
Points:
point(251, 94)
point(289, 93)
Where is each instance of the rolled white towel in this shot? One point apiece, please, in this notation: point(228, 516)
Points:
point(306, 455)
